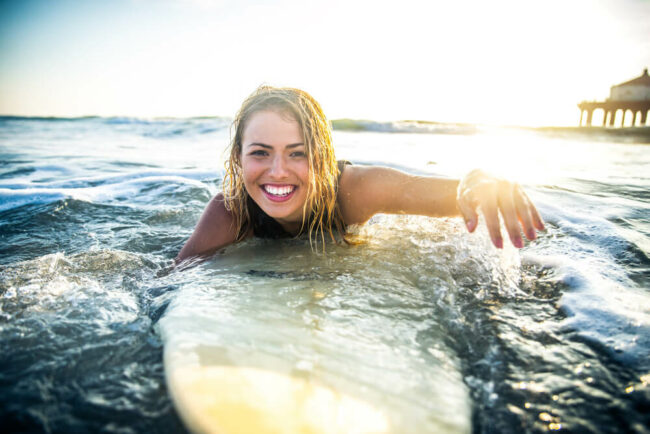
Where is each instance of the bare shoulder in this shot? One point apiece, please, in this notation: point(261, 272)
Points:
point(348, 191)
point(366, 190)
point(215, 229)
point(357, 181)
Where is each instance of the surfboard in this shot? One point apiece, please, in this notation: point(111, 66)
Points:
point(217, 386)
point(261, 346)
point(235, 399)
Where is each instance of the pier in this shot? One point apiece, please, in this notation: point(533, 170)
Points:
point(631, 99)
point(611, 109)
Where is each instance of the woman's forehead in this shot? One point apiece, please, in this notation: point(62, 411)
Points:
point(271, 127)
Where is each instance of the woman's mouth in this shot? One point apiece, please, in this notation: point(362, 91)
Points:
point(279, 193)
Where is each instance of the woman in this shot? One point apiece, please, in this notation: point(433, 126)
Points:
point(282, 180)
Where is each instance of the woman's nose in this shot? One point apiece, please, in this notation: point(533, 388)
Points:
point(278, 168)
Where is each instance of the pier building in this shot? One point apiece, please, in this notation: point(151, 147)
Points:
point(631, 97)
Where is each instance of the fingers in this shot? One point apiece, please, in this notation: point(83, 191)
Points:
point(476, 190)
point(509, 212)
point(537, 219)
point(523, 207)
point(467, 206)
point(490, 208)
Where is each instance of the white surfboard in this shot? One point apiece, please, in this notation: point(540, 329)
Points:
point(231, 399)
point(285, 351)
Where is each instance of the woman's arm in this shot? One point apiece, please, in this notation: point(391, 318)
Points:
point(216, 229)
point(365, 191)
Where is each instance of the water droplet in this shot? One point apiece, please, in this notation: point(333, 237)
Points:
point(545, 417)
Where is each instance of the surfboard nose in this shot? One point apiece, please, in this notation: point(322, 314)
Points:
point(230, 399)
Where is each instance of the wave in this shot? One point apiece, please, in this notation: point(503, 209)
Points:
point(169, 126)
point(111, 119)
point(92, 181)
point(9, 118)
point(407, 126)
point(601, 310)
point(164, 127)
point(605, 307)
point(147, 127)
point(141, 188)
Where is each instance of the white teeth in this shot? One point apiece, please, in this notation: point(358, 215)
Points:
point(279, 191)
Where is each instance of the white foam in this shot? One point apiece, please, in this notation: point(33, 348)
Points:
point(603, 305)
point(29, 182)
point(10, 199)
point(124, 187)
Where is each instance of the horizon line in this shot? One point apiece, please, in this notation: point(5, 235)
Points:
point(378, 121)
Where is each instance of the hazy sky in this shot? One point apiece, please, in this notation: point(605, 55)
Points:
point(503, 61)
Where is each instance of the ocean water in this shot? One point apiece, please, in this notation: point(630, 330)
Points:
point(431, 325)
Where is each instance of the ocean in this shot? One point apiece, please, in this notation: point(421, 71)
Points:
point(431, 325)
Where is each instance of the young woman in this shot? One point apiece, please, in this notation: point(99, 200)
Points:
point(282, 179)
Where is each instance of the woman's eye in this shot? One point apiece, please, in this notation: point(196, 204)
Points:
point(298, 154)
point(258, 153)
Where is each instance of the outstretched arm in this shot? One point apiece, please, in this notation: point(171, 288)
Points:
point(365, 191)
point(215, 230)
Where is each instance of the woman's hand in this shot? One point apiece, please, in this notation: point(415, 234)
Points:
point(493, 195)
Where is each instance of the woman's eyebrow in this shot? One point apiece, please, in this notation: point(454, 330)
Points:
point(293, 145)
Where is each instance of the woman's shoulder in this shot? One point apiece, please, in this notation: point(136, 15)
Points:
point(217, 208)
point(353, 178)
point(215, 229)
point(355, 193)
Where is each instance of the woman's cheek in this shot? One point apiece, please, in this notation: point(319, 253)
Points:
point(302, 169)
point(251, 169)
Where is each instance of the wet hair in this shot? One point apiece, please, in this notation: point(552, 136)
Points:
point(321, 213)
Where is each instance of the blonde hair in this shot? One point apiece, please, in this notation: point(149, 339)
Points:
point(321, 212)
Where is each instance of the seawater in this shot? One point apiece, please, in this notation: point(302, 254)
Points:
point(430, 324)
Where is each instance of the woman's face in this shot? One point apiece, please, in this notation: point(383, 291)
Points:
point(275, 166)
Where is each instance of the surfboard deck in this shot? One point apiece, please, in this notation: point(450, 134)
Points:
point(274, 351)
point(233, 399)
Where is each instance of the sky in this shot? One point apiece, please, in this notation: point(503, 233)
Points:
point(507, 62)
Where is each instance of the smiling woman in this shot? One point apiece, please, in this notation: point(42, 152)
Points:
point(283, 148)
point(282, 179)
